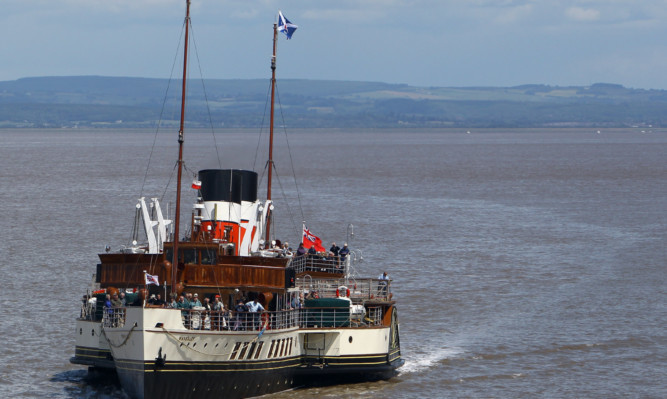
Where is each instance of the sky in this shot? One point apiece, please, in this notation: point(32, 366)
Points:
point(449, 43)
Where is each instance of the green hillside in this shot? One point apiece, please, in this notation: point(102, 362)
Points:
point(94, 101)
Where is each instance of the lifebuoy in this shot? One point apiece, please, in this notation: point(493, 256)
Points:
point(265, 321)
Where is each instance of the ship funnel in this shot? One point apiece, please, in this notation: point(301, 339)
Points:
point(231, 210)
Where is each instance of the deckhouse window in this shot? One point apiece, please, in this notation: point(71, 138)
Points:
point(189, 256)
point(208, 257)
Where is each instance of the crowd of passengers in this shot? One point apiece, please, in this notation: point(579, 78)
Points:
point(209, 314)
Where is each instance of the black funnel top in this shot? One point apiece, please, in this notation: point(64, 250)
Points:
point(230, 185)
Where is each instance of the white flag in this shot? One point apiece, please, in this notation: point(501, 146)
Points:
point(151, 279)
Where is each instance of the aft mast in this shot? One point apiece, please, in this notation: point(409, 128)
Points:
point(177, 216)
point(270, 161)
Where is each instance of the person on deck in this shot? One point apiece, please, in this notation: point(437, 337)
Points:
point(107, 302)
point(158, 301)
point(344, 252)
point(219, 317)
point(255, 307)
point(334, 249)
point(383, 283)
point(173, 304)
point(195, 302)
point(240, 312)
point(301, 251)
point(115, 301)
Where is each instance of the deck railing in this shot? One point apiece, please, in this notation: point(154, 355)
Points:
point(194, 319)
point(302, 318)
point(360, 290)
point(319, 263)
point(113, 317)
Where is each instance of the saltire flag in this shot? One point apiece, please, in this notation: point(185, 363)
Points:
point(311, 240)
point(151, 279)
point(196, 184)
point(285, 26)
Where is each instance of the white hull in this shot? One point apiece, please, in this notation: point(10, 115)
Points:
point(155, 355)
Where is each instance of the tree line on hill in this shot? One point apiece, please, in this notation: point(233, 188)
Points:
point(94, 101)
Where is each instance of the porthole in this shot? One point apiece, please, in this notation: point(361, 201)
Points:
point(350, 339)
point(80, 331)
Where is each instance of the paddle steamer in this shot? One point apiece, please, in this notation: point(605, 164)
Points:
point(321, 324)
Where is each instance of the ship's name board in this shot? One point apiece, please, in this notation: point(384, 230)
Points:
point(186, 339)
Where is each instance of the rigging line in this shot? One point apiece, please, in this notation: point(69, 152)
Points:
point(164, 103)
point(289, 151)
point(203, 86)
point(261, 127)
point(289, 210)
point(171, 176)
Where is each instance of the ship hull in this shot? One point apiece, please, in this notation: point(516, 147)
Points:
point(172, 362)
point(213, 380)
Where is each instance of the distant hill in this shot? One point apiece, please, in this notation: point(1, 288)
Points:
point(119, 102)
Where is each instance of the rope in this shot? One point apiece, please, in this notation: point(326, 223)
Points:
point(122, 343)
point(289, 151)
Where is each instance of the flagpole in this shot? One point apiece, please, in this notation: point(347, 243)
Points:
point(270, 162)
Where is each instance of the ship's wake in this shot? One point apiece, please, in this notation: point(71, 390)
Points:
point(421, 361)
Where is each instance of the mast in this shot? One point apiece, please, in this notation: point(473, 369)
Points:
point(270, 162)
point(177, 216)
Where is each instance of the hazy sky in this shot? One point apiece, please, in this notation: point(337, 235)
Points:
point(418, 42)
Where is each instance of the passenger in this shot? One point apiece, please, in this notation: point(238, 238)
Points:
point(159, 301)
point(151, 300)
point(122, 298)
point(334, 249)
point(172, 301)
point(115, 301)
point(383, 283)
point(297, 301)
point(195, 302)
point(344, 252)
point(283, 251)
point(312, 251)
point(219, 319)
point(188, 299)
point(240, 313)
point(184, 306)
point(255, 308)
point(107, 303)
point(301, 251)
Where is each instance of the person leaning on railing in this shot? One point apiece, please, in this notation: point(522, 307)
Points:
point(255, 308)
point(220, 316)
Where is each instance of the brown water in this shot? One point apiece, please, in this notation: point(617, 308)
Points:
point(526, 263)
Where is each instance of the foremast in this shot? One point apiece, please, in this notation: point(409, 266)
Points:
point(181, 133)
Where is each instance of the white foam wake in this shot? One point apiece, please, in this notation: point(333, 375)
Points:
point(418, 362)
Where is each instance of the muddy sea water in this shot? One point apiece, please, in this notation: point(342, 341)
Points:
point(526, 263)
